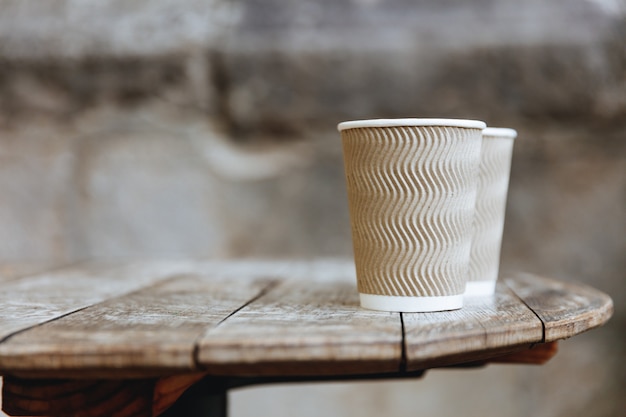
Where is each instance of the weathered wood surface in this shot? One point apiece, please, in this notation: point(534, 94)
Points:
point(486, 325)
point(35, 299)
point(166, 325)
point(304, 327)
point(155, 328)
point(566, 309)
point(262, 318)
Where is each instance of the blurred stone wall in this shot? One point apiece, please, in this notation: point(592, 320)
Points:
point(207, 129)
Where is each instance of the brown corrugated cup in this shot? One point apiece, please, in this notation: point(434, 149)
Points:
point(411, 193)
point(493, 185)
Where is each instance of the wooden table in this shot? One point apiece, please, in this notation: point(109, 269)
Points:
point(101, 339)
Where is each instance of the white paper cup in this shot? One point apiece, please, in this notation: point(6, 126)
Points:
point(493, 185)
point(411, 192)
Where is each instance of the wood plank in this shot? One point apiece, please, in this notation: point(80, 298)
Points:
point(32, 300)
point(107, 322)
point(94, 398)
point(485, 326)
point(538, 354)
point(169, 389)
point(311, 326)
point(148, 332)
point(65, 398)
point(566, 309)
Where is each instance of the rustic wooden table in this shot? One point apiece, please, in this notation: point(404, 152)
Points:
point(100, 339)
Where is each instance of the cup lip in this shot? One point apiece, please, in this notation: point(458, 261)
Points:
point(466, 123)
point(500, 132)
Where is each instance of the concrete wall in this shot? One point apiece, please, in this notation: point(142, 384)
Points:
point(207, 129)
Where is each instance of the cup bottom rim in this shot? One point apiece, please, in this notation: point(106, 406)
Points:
point(406, 304)
point(480, 288)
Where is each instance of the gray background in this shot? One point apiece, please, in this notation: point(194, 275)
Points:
point(207, 129)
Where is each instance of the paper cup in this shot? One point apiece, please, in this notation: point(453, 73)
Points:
point(493, 185)
point(411, 192)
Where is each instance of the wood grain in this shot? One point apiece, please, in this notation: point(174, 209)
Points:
point(485, 324)
point(168, 389)
point(65, 398)
point(94, 398)
point(249, 318)
point(168, 325)
point(566, 309)
point(152, 330)
point(304, 327)
point(536, 355)
point(32, 300)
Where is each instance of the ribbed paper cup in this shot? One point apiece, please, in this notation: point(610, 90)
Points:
point(411, 192)
point(493, 185)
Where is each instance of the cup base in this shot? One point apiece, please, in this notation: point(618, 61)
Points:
point(480, 288)
point(411, 304)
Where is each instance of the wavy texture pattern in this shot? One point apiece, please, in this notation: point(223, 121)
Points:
point(493, 184)
point(411, 193)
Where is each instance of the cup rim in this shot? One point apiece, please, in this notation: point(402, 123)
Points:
point(466, 123)
point(500, 132)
